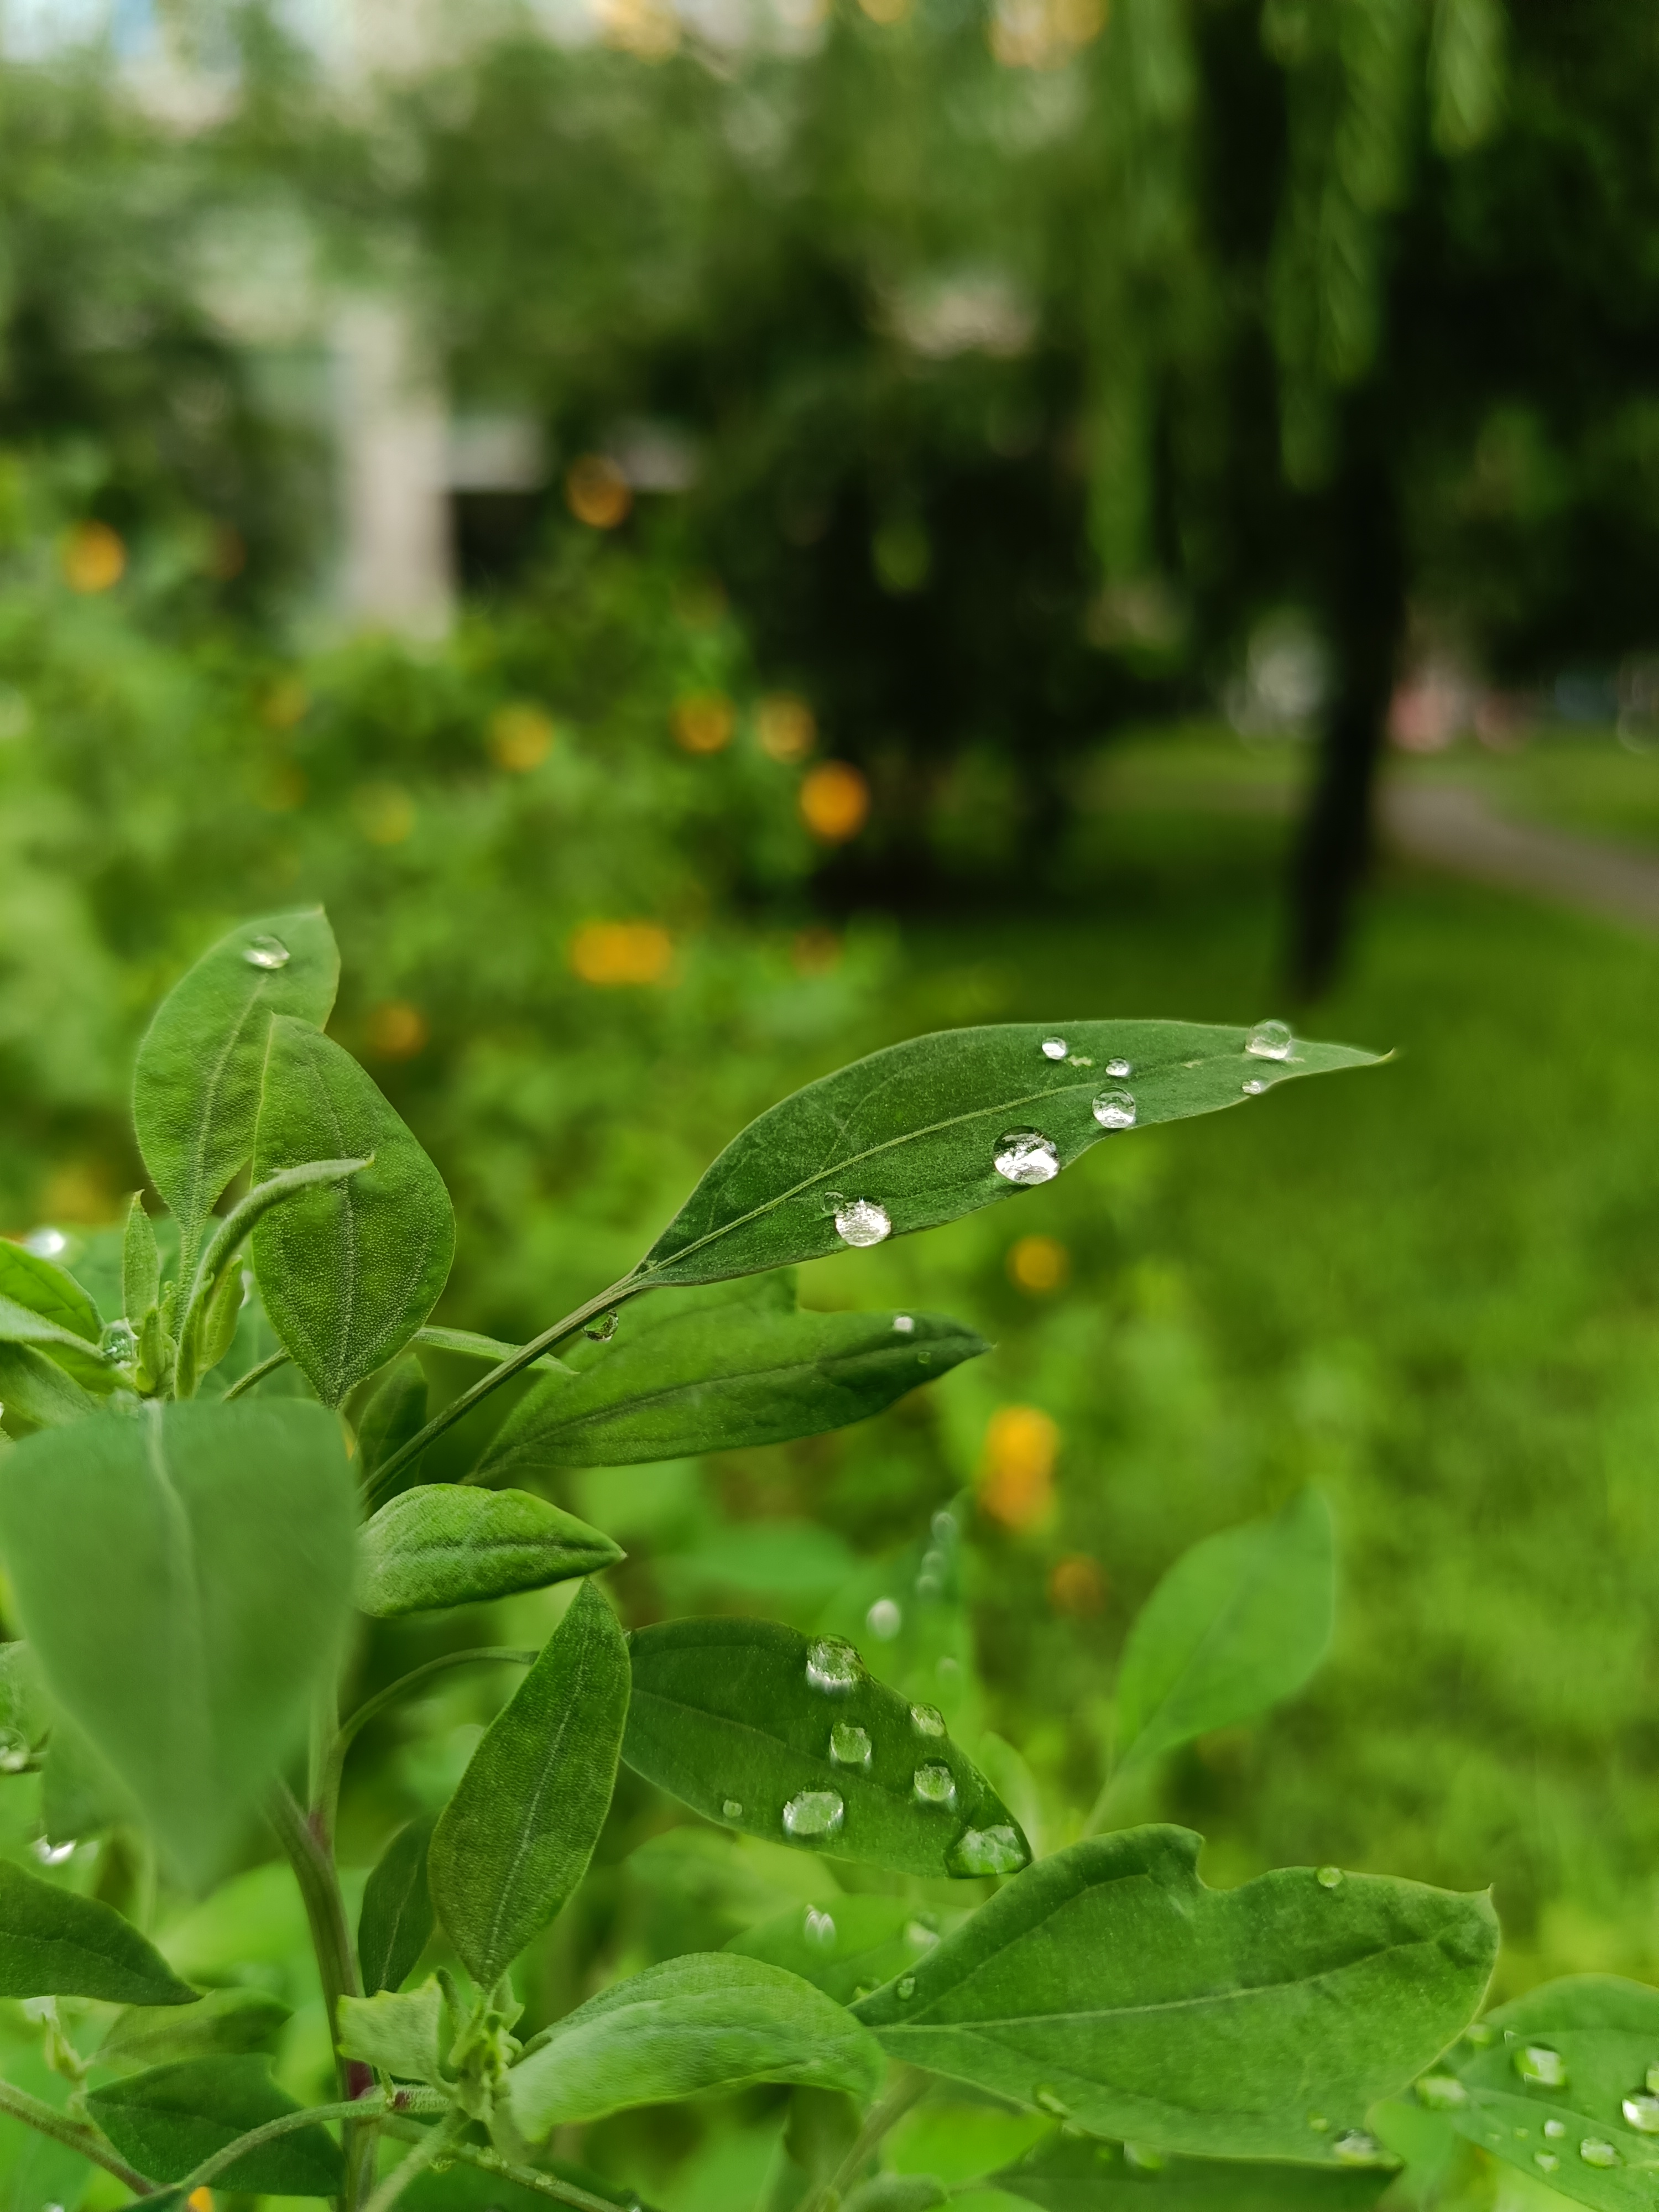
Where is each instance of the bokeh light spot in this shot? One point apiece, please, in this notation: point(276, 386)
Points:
point(704, 723)
point(397, 1029)
point(608, 953)
point(1017, 1474)
point(385, 812)
point(597, 492)
point(281, 788)
point(520, 738)
point(786, 726)
point(94, 557)
point(1076, 1585)
point(815, 950)
point(284, 704)
point(1038, 1264)
point(835, 801)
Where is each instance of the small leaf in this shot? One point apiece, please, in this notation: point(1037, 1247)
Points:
point(141, 1262)
point(224, 2022)
point(515, 1839)
point(846, 1948)
point(348, 1274)
point(705, 2022)
point(1238, 1623)
point(53, 1943)
point(1097, 2177)
point(34, 1390)
point(49, 1292)
point(725, 1716)
point(491, 1349)
point(396, 1918)
point(196, 1089)
point(914, 1130)
point(719, 1378)
point(223, 1311)
point(166, 2121)
point(404, 2034)
point(185, 1580)
point(1109, 1982)
point(441, 1545)
point(396, 1412)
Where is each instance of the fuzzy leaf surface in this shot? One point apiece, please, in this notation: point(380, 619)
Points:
point(223, 2023)
point(35, 1389)
point(439, 1545)
point(39, 1286)
point(53, 1943)
point(1096, 2177)
point(400, 2032)
point(168, 2120)
point(1192, 2020)
point(396, 1918)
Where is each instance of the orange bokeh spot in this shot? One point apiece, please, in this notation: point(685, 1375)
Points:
point(397, 1031)
point(94, 557)
point(520, 738)
point(704, 723)
point(612, 952)
point(1016, 1475)
point(834, 802)
point(1038, 1264)
point(786, 726)
point(1076, 1584)
point(200, 2200)
point(597, 492)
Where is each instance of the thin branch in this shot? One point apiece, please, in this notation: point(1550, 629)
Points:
point(328, 1788)
point(434, 2144)
point(911, 2085)
point(527, 2177)
point(255, 1374)
point(62, 2129)
point(360, 2108)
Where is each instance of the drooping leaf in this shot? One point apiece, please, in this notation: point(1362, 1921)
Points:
point(846, 1948)
point(1109, 1982)
point(441, 1545)
point(349, 1273)
point(718, 1378)
point(786, 1737)
point(394, 1414)
point(141, 1262)
point(404, 2033)
point(514, 1840)
point(916, 1130)
point(701, 2023)
point(53, 1943)
point(223, 2023)
point(1574, 2056)
point(168, 2120)
point(396, 1918)
point(196, 1089)
point(35, 1390)
point(48, 1291)
point(1239, 1622)
point(1097, 2177)
point(185, 1577)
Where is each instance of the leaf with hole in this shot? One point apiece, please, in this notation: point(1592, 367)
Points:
point(396, 1917)
point(787, 1737)
point(1109, 1982)
point(169, 2120)
point(53, 1943)
point(223, 2023)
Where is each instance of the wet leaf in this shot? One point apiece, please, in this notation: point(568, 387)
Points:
point(846, 1947)
point(1097, 2177)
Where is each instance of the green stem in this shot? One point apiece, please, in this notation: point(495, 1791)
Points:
point(527, 2177)
point(254, 1374)
point(90, 2144)
point(336, 1963)
point(911, 2085)
point(328, 1789)
point(432, 2145)
point(314, 2116)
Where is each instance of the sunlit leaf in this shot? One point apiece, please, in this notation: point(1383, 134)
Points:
point(53, 1943)
point(166, 2121)
point(442, 1545)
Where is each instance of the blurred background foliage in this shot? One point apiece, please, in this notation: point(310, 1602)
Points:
point(931, 514)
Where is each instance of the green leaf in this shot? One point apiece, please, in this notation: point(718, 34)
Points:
point(1109, 1982)
point(166, 2121)
point(396, 1412)
point(846, 1948)
point(185, 1577)
point(441, 1545)
point(36, 1391)
point(53, 1943)
point(405, 2034)
point(1241, 1621)
point(705, 2022)
point(915, 1129)
point(348, 1274)
point(515, 1839)
point(141, 1262)
point(47, 1291)
point(223, 2022)
point(196, 1089)
point(725, 1716)
point(716, 1379)
point(396, 1918)
point(1595, 2038)
point(1097, 2177)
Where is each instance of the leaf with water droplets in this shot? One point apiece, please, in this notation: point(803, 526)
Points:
point(196, 1088)
point(1066, 2176)
point(348, 1270)
point(744, 1711)
point(441, 1545)
point(917, 1131)
point(1193, 2020)
point(1239, 1622)
point(869, 1940)
point(706, 2022)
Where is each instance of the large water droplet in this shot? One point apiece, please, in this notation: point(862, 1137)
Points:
point(987, 1850)
point(1641, 2111)
point(927, 1720)
point(266, 952)
point(1555, 2129)
point(1269, 1040)
point(1356, 2147)
point(819, 1928)
point(1442, 2092)
point(46, 1243)
point(1116, 1109)
point(1121, 1068)
point(731, 1810)
point(1026, 1157)
point(904, 1324)
point(14, 1748)
point(906, 1987)
point(1329, 1877)
point(935, 1785)
point(814, 1813)
point(849, 1746)
point(1544, 2068)
point(862, 1221)
point(884, 1618)
point(1254, 1088)
point(50, 1854)
point(1595, 2152)
point(118, 1344)
point(1053, 1048)
point(1545, 2160)
point(832, 1666)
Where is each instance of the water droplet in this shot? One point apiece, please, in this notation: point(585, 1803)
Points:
point(832, 1666)
point(1555, 2129)
point(1544, 2068)
point(907, 1988)
point(1329, 1877)
point(884, 1618)
point(1595, 2152)
point(1050, 2101)
point(1442, 2092)
point(14, 1752)
point(849, 1746)
point(1545, 2160)
point(1653, 2076)
point(987, 1850)
point(935, 1785)
point(1116, 1109)
point(1643, 2113)
point(118, 1344)
point(814, 1813)
point(919, 1936)
point(1356, 2147)
point(1480, 2035)
point(731, 1810)
point(46, 1243)
point(1269, 1040)
point(1319, 2124)
point(50, 1854)
point(864, 1990)
point(266, 952)
point(1121, 1068)
point(862, 1221)
point(944, 1526)
point(1026, 1157)
point(602, 1330)
point(819, 1928)
point(1053, 1048)
point(927, 1720)
point(1254, 1088)
point(904, 1324)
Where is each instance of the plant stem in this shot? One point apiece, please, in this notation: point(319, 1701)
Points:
point(432, 2145)
point(255, 1374)
point(90, 2144)
point(528, 2177)
point(328, 1787)
point(256, 2138)
point(912, 2084)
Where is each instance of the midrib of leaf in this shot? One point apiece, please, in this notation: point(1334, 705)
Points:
point(1217, 1628)
point(204, 1122)
point(846, 1776)
point(186, 1609)
point(574, 1423)
point(555, 1747)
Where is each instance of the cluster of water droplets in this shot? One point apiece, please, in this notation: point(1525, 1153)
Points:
point(1542, 2067)
point(268, 952)
point(859, 1221)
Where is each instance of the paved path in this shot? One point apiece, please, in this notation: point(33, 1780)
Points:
point(1450, 826)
